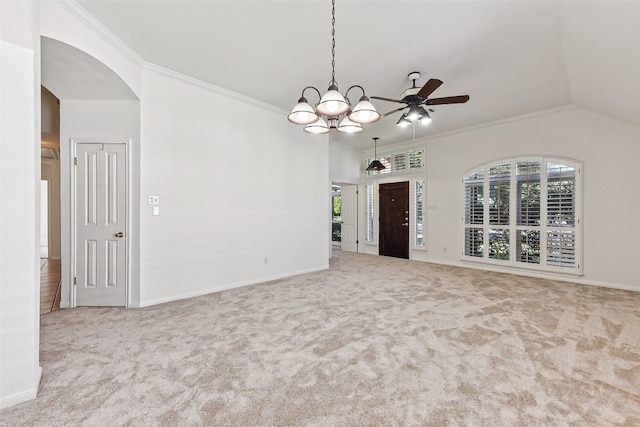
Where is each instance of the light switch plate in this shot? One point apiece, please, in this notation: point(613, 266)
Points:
point(154, 200)
point(156, 210)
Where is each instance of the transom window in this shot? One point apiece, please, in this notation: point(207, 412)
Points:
point(406, 161)
point(525, 213)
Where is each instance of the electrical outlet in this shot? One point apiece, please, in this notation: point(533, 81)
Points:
point(154, 200)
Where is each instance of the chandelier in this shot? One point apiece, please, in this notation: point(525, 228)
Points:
point(332, 104)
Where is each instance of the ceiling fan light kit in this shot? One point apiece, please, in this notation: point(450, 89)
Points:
point(333, 104)
point(416, 98)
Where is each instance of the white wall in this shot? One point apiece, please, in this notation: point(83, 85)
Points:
point(243, 193)
point(344, 164)
point(19, 203)
point(609, 149)
point(95, 120)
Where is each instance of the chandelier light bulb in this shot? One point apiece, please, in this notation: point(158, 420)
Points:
point(364, 112)
point(332, 103)
point(348, 126)
point(318, 127)
point(302, 113)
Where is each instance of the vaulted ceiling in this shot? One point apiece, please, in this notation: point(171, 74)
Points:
point(511, 57)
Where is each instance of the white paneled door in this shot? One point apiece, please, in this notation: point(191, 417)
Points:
point(101, 234)
point(349, 232)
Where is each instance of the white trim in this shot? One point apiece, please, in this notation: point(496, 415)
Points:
point(531, 273)
point(100, 30)
point(22, 396)
point(227, 287)
point(211, 87)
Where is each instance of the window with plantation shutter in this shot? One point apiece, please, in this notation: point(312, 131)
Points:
point(524, 213)
point(416, 159)
point(474, 198)
point(419, 219)
point(369, 213)
point(401, 162)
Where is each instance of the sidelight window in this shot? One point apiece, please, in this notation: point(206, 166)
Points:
point(369, 213)
point(419, 241)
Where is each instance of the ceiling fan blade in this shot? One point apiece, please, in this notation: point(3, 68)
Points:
point(461, 99)
point(394, 111)
point(429, 87)
point(387, 99)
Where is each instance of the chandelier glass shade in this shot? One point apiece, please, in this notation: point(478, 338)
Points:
point(333, 104)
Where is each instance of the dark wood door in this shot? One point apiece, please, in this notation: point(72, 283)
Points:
point(393, 238)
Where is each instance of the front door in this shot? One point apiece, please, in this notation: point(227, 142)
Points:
point(101, 207)
point(393, 239)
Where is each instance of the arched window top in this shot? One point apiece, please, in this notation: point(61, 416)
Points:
point(524, 212)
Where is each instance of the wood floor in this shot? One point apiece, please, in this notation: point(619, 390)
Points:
point(50, 275)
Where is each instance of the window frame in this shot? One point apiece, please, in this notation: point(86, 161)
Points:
point(485, 228)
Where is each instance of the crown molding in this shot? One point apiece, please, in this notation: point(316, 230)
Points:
point(211, 87)
point(100, 30)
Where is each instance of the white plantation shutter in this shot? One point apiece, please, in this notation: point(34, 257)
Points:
point(399, 162)
point(418, 219)
point(405, 161)
point(499, 183)
point(369, 213)
point(561, 215)
point(416, 159)
point(386, 161)
point(561, 248)
point(474, 198)
point(524, 213)
point(528, 219)
point(473, 242)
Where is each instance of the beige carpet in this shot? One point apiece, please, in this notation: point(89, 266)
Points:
point(374, 341)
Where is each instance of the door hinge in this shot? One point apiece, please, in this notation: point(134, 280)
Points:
point(75, 161)
point(75, 281)
point(357, 242)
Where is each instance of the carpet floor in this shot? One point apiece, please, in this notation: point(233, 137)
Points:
point(373, 341)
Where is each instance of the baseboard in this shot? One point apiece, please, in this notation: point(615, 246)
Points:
point(225, 287)
point(532, 273)
point(23, 396)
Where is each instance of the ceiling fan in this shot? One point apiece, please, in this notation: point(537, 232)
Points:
point(416, 98)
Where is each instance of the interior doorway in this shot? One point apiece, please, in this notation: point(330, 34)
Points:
point(393, 239)
point(44, 218)
point(349, 218)
point(336, 214)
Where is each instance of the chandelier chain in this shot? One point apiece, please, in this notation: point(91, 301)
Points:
point(333, 41)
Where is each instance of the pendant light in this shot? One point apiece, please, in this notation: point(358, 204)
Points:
point(332, 104)
point(375, 165)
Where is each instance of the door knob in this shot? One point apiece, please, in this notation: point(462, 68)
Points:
point(406, 224)
point(120, 234)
